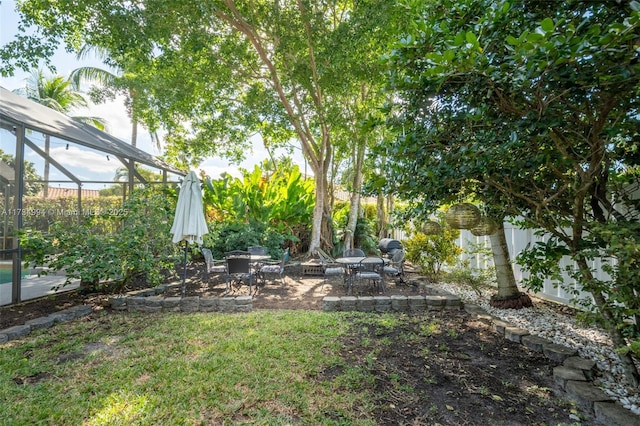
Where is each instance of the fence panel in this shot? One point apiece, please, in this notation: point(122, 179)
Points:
point(517, 240)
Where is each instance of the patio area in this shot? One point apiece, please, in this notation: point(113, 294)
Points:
point(34, 286)
point(297, 291)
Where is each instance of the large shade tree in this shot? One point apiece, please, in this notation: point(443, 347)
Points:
point(216, 72)
point(533, 107)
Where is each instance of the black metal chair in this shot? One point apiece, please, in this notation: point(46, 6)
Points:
point(396, 267)
point(239, 269)
point(213, 266)
point(276, 269)
point(355, 252)
point(330, 268)
point(371, 269)
point(257, 250)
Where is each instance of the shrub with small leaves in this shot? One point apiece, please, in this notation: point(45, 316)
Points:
point(141, 246)
point(432, 252)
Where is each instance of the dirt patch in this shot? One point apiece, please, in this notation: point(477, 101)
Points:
point(448, 368)
point(442, 367)
point(18, 314)
point(293, 291)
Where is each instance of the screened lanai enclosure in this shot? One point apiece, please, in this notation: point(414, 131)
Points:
point(54, 169)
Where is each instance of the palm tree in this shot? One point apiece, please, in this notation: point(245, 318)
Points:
point(58, 93)
point(110, 85)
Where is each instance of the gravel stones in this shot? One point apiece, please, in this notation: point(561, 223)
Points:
point(546, 326)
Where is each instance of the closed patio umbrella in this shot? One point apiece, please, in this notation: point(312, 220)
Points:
point(189, 224)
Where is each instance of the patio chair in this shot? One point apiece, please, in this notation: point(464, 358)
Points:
point(239, 269)
point(213, 266)
point(370, 269)
point(256, 253)
point(259, 250)
point(355, 252)
point(330, 268)
point(396, 267)
point(276, 269)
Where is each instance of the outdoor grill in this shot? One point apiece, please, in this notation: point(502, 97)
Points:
point(389, 245)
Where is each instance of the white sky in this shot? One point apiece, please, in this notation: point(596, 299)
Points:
point(114, 113)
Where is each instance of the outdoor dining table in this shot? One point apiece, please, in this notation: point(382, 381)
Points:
point(351, 264)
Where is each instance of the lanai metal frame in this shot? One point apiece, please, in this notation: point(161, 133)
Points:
point(19, 114)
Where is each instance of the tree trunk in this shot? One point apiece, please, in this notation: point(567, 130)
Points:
point(509, 295)
point(326, 230)
point(134, 130)
point(349, 235)
point(381, 216)
point(354, 207)
point(318, 214)
point(631, 372)
point(318, 153)
point(390, 205)
point(381, 211)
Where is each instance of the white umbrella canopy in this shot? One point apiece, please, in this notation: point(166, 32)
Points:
point(189, 223)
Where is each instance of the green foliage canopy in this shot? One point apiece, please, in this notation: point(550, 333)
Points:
point(216, 72)
point(261, 208)
point(530, 106)
point(221, 70)
point(522, 102)
point(281, 200)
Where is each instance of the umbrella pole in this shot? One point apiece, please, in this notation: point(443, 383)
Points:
point(184, 272)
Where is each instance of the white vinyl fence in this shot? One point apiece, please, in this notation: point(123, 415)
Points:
point(518, 239)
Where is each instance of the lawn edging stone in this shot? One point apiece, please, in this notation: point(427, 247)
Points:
point(395, 303)
point(151, 300)
point(65, 315)
point(574, 376)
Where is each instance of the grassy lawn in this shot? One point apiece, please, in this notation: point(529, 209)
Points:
point(265, 367)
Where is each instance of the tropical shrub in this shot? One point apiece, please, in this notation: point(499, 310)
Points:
point(365, 235)
point(281, 200)
point(257, 210)
point(431, 252)
point(142, 245)
point(229, 236)
point(619, 250)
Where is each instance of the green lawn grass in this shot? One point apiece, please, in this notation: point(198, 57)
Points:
point(264, 367)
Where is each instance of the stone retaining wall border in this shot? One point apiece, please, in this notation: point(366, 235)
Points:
point(64, 315)
point(574, 375)
point(395, 303)
point(148, 300)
